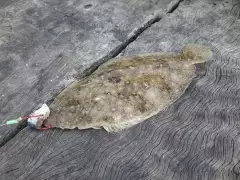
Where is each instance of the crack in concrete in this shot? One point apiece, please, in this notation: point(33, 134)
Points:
point(115, 52)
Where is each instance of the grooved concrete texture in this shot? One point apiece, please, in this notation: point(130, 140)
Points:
point(196, 138)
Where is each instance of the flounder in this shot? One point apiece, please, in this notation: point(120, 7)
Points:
point(127, 90)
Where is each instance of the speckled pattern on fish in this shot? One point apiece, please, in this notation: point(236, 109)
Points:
point(127, 90)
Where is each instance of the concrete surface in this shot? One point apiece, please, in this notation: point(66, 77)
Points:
point(197, 138)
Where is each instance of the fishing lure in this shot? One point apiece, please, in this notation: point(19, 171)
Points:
point(35, 120)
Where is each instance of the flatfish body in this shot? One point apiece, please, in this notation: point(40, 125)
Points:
point(126, 90)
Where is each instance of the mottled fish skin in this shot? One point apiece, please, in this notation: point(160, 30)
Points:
point(126, 90)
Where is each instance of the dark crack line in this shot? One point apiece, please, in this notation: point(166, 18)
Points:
point(174, 7)
point(115, 52)
point(13, 133)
